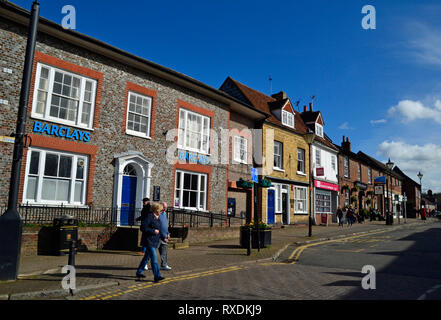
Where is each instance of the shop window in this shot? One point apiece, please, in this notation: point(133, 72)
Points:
point(55, 178)
point(191, 190)
point(139, 114)
point(323, 201)
point(301, 200)
point(194, 131)
point(63, 97)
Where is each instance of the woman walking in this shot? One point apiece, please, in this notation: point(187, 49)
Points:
point(150, 239)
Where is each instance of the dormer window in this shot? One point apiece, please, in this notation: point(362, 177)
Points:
point(287, 119)
point(319, 130)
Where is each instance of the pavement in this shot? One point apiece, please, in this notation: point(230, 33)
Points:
point(40, 277)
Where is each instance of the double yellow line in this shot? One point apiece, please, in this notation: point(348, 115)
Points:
point(295, 255)
point(137, 287)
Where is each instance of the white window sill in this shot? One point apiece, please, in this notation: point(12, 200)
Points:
point(181, 148)
point(240, 162)
point(278, 169)
point(54, 205)
point(301, 173)
point(137, 134)
point(59, 121)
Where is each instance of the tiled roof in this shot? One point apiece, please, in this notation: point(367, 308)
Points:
point(265, 103)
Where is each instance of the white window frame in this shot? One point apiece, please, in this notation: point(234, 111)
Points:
point(318, 157)
point(280, 154)
point(288, 119)
point(49, 92)
point(346, 167)
point(319, 130)
point(304, 201)
point(359, 171)
point(37, 200)
point(241, 149)
point(277, 187)
point(302, 161)
point(334, 163)
point(370, 175)
point(182, 135)
point(199, 191)
point(149, 116)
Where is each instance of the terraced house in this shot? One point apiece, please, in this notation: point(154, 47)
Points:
point(324, 166)
point(108, 128)
point(285, 153)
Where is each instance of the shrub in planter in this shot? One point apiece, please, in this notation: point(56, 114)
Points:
point(264, 235)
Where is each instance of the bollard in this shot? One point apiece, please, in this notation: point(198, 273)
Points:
point(71, 261)
point(249, 242)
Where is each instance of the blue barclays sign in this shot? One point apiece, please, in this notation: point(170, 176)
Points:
point(54, 130)
point(193, 157)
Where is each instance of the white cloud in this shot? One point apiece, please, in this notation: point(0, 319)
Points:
point(345, 126)
point(415, 110)
point(415, 158)
point(425, 44)
point(373, 122)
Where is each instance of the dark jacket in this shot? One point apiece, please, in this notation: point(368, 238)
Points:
point(145, 210)
point(148, 226)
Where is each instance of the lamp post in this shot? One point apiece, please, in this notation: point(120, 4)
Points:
point(420, 176)
point(309, 137)
point(10, 221)
point(389, 165)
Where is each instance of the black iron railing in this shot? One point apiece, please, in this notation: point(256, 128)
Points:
point(41, 215)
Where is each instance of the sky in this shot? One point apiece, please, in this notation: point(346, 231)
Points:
point(380, 87)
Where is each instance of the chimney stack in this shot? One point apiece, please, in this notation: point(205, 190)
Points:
point(310, 106)
point(346, 145)
point(305, 109)
point(279, 96)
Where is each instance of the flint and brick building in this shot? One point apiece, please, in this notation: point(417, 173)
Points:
point(107, 128)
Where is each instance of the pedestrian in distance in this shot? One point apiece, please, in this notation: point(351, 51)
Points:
point(340, 217)
point(150, 228)
point(350, 217)
point(423, 213)
point(345, 215)
point(164, 236)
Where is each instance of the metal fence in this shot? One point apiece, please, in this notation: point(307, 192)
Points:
point(40, 215)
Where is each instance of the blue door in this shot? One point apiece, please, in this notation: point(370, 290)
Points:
point(128, 199)
point(270, 206)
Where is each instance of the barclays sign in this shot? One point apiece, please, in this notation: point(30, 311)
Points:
point(54, 130)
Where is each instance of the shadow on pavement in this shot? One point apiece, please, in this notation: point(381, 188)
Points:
point(412, 273)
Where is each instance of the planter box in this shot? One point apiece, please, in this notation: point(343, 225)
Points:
point(265, 238)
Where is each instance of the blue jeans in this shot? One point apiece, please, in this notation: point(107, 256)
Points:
point(150, 254)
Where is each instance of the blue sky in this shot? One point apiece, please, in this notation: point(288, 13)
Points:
point(381, 87)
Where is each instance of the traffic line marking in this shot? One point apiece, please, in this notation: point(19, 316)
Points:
point(298, 251)
point(119, 292)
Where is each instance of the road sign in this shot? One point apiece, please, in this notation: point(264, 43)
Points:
point(254, 176)
point(381, 179)
point(378, 190)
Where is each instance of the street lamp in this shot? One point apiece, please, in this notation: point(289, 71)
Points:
point(389, 165)
point(309, 137)
point(420, 176)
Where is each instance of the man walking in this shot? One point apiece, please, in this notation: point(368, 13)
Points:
point(164, 238)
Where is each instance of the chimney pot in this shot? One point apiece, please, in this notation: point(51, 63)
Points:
point(310, 106)
point(305, 109)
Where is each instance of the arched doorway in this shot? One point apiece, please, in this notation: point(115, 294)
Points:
point(131, 184)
